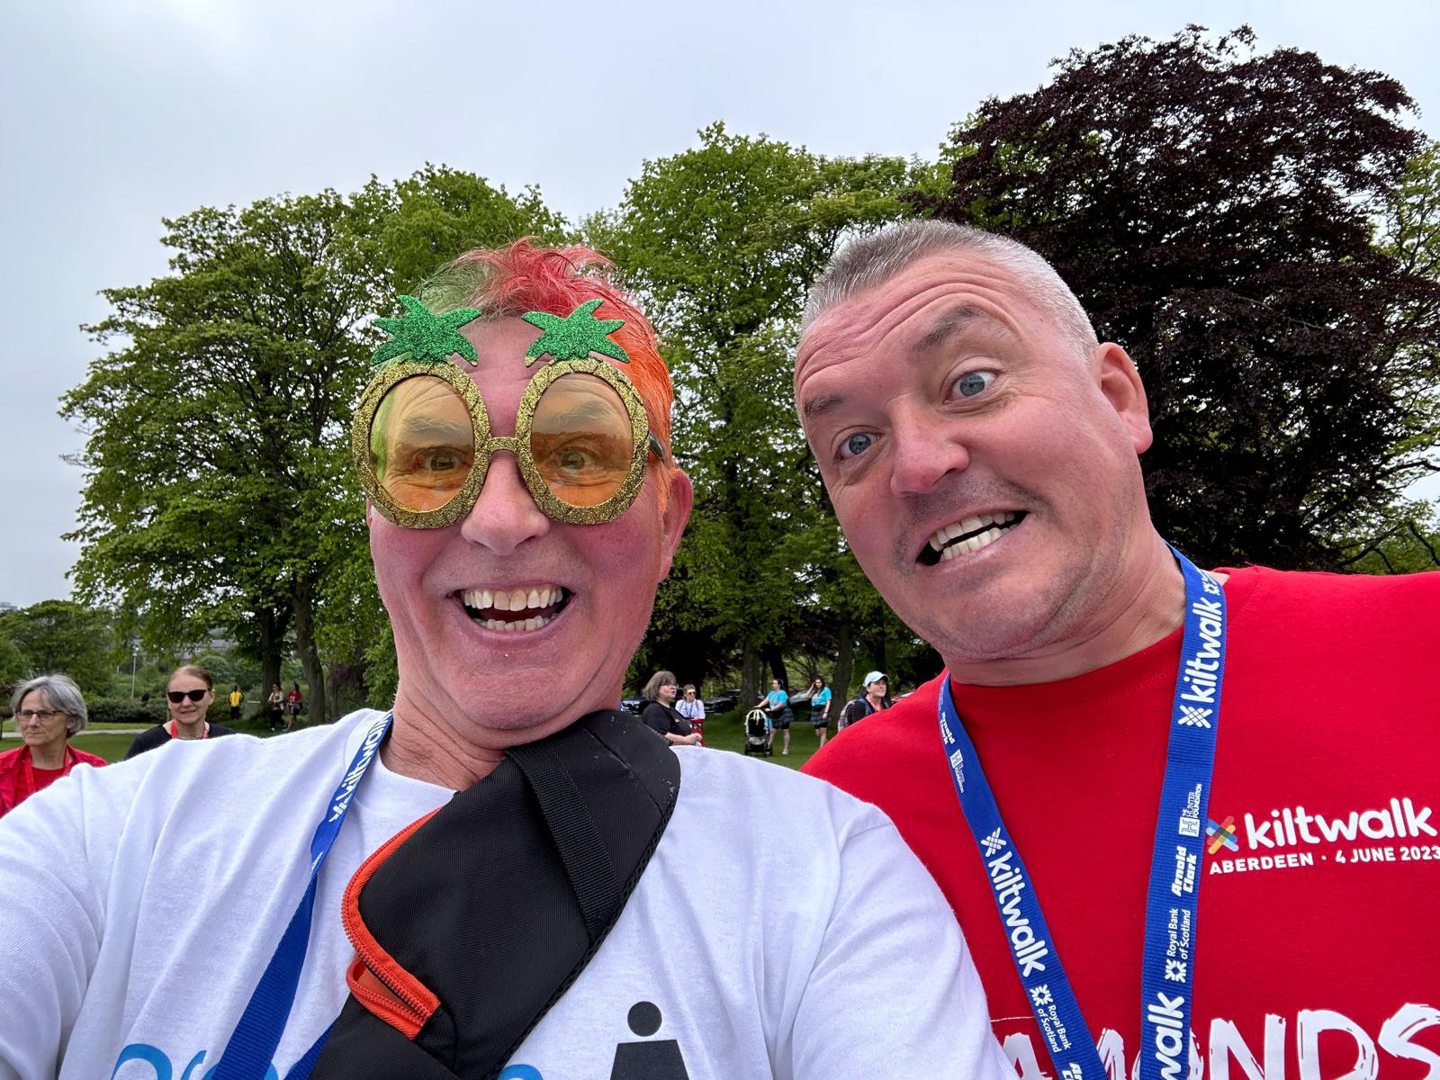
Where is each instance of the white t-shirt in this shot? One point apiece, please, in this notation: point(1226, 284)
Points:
point(781, 928)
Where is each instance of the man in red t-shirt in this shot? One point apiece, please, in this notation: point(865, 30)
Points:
point(981, 447)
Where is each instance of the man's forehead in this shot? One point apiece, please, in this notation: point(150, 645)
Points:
point(940, 294)
point(496, 340)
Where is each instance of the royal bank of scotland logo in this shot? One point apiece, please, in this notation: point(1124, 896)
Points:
point(1175, 970)
point(1194, 716)
point(1041, 996)
point(992, 843)
point(1072, 1072)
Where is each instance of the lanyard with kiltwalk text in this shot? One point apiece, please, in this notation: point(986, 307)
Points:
point(1167, 974)
point(251, 1048)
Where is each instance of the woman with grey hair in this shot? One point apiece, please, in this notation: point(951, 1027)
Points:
point(48, 710)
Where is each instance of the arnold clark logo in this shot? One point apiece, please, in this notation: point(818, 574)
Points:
point(1288, 837)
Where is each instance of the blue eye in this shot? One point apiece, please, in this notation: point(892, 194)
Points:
point(974, 382)
point(856, 444)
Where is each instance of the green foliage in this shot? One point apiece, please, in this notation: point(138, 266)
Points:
point(14, 666)
point(57, 636)
point(441, 212)
point(124, 711)
point(1405, 540)
point(1213, 208)
point(720, 243)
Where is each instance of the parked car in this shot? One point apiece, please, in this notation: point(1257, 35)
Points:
point(724, 701)
point(633, 704)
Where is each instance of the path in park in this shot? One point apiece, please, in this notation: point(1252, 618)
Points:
point(90, 731)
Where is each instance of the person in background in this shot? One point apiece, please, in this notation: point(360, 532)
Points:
point(777, 709)
point(294, 703)
point(48, 711)
point(660, 712)
point(188, 696)
point(275, 708)
point(237, 699)
point(693, 709)
point(872, 698)
point(820, 710)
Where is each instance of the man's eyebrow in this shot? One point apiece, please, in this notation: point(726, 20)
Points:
point(819, 406)
point(954, 321)
point(428, 427)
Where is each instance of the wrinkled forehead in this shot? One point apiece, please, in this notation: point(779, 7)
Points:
point(500, 373)
point(897, 314)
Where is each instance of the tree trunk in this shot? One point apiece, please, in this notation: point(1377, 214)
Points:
point(346, 687)
point(774, 659)
point(309, 655)
point(272, 644)
point(844, 663)
point(749, 676)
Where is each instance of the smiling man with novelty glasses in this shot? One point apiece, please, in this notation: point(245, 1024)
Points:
point(505, 875)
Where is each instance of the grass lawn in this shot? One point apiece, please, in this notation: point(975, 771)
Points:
point(726, 731)
point(109, 745)
point(723, 731)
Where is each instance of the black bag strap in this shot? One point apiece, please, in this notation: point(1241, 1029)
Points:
point(497, 902)
point(572, 828)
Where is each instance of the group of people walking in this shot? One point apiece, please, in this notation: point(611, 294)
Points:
point(777, 706)
point(679, 714)
point(282, 710)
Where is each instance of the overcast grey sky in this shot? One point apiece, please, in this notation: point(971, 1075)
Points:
point(114, 114)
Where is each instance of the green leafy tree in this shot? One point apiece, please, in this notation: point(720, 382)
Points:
point(1406, 541)
point(14, 665)
point(1214, 209)
point(218, 490)
point(721, 242)
point(59, 636)
point(440, 212)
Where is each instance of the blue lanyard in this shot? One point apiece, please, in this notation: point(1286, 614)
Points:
point(251, 1049)
point(1167, 968)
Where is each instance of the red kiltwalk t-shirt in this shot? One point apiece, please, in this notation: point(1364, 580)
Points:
point(1317, 953)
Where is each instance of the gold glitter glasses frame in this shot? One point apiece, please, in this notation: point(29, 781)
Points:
point(485, 444)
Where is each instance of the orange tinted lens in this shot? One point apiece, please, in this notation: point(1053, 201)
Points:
point(422, 443)
point(581, 439)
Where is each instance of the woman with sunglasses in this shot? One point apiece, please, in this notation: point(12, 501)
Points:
point(47, 711)
point(188, 696)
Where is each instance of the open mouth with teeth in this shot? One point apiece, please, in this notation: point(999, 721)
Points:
point(968, 536)
point(513, 610)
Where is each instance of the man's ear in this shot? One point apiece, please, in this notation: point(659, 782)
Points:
point(1120, 384)
point(677, 513)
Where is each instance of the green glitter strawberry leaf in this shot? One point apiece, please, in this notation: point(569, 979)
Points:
point(575, 336)
point(427, 337)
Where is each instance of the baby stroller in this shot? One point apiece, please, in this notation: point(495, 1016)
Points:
point(757, 733)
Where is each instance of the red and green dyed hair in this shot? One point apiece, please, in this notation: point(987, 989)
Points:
point(507, 282)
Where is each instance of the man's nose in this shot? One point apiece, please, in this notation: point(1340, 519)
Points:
point(505, 515)
point(924, 449)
